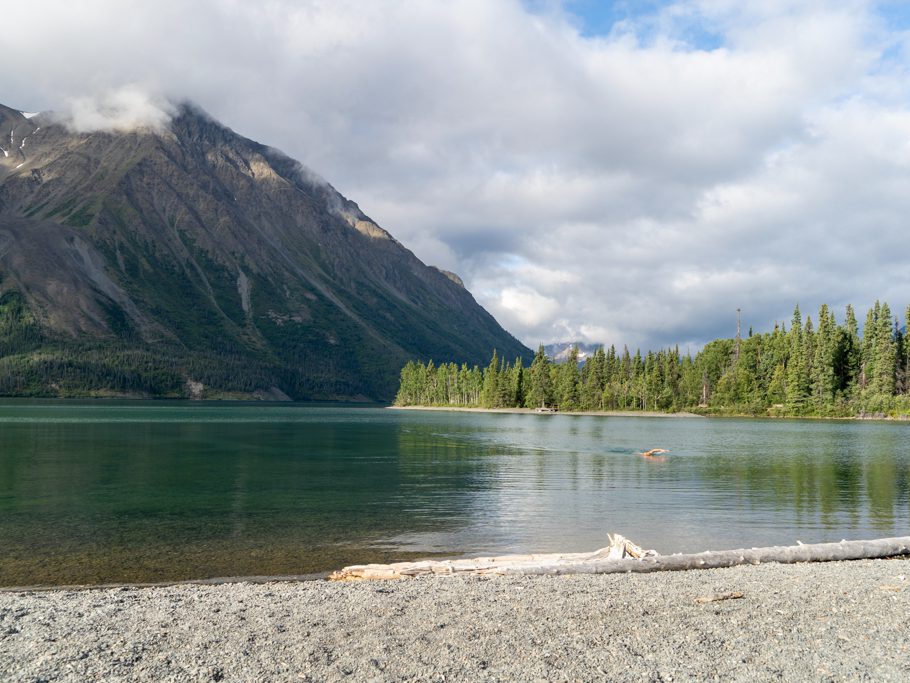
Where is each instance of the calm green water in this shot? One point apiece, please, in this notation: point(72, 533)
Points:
point(117, 491)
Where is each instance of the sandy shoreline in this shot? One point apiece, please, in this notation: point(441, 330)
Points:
point(826, 621)
point(532, 411)
point(655, 413)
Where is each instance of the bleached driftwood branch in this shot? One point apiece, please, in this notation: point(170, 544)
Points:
point(619, 548)
point(623, 556)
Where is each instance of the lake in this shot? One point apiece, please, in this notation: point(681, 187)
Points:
point(115, 491)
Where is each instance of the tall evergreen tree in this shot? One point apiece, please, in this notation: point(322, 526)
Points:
point(848, 362)
point(568, 384)
point(906, 361)
point(539, 393)
point(593, 380)
point(885, 354)
point(516, 389)
point(797, 370)
point(822, 370)
point(490, 396)
point(868, 348)
point(900, 376)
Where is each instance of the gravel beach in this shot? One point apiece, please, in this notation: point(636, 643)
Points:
point(826, 621)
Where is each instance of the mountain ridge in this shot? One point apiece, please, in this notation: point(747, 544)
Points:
point(195, 238)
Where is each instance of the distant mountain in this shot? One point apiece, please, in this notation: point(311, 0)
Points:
point(559, 351)
point(193, 261)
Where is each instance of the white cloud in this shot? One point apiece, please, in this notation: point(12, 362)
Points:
point(525, 306)
point(631, 188)
point(125, 108)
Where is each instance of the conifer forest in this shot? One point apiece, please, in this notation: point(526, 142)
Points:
point(821, 368)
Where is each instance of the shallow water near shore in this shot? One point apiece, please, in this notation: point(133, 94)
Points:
point(115, 491)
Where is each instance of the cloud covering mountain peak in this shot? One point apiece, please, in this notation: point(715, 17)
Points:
point(120, 109)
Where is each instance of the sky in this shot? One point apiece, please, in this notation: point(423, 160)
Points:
point(628, 172)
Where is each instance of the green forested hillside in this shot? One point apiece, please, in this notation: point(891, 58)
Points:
point(811, 369)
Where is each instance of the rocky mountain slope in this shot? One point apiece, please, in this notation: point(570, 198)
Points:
point(192, 260)
point(559, 351)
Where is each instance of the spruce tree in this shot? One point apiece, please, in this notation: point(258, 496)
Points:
point(868, 350)
point(885, 354)
point(594, 380)
point(900, 378)
point(670, 372)
point(822, 370)
point(797, 372)
point(907, 351)
point(539, 391)
point(624, 397)
point(567, 388)
point(513, 388)
point(490, 397)
point(849, 357)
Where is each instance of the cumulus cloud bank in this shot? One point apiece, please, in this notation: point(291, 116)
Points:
point(635, 186)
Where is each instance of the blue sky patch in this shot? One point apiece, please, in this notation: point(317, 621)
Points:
point(896, 14)
point(602, 18)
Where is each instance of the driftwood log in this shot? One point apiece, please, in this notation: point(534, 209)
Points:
point(619, 548)
point(623, 556)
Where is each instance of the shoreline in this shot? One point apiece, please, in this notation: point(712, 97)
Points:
point(655, 413)
point(533, 411)
point(813, 621)
point(342, 403)
point(139, 585)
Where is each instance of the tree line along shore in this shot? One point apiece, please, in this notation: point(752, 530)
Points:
point(823, 369)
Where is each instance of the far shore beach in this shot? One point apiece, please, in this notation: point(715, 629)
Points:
point(652, 413)
point(534, 411)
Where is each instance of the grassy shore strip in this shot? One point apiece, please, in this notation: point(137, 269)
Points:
point(533, 411)
point(826, 621)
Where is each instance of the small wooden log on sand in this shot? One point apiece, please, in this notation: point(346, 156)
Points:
point(623, 556)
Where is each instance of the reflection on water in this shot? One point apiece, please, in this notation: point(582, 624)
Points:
point(98, 492)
